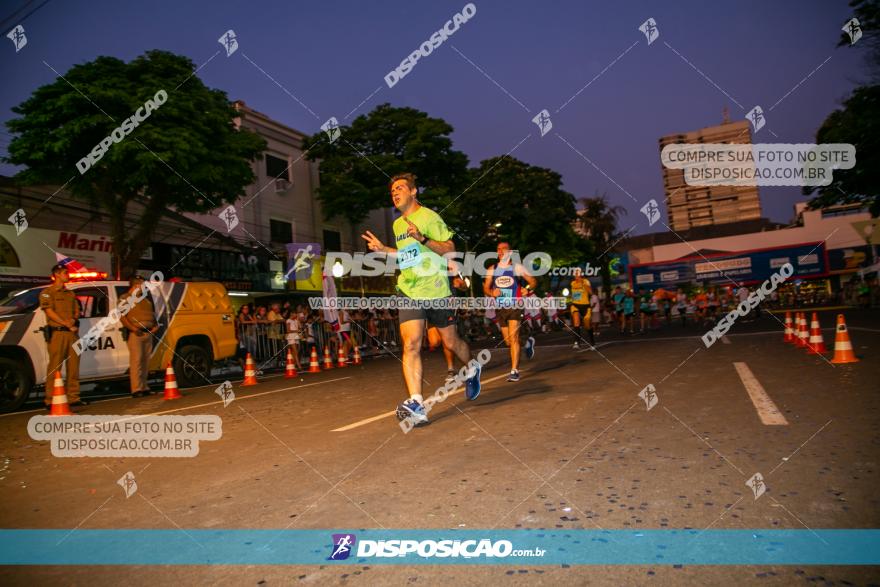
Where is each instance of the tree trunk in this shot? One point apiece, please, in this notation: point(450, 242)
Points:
point(143, 234)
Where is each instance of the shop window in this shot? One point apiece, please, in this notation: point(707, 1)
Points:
point(277, 168)
point(332, 240)
point(280, 231)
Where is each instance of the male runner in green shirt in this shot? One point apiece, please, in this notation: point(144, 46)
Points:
point(422, 237)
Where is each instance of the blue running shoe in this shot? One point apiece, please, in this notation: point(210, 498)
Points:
point(514, 376)
point(413, 411)
point(530, 347)
point(472, 383)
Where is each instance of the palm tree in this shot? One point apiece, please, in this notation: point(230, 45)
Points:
point(597, 221)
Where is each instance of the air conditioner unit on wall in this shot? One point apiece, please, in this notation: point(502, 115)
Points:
point(281, 185)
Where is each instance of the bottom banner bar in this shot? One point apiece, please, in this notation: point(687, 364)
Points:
point(433, 547)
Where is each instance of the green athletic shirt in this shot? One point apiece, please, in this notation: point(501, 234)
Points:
point(422, 271)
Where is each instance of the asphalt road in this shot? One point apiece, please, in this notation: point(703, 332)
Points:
point(570, 446)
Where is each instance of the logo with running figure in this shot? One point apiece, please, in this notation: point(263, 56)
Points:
point(756, 117)
point(19, 221)
point(230, 217)
point(651, 211)
point(854, 29)
point(650, 30)
point(542, 119)
point(331, 127)
point(649, 395)
point(343, 544)
point(19, 39)
point(756, 484)
point(229, 40)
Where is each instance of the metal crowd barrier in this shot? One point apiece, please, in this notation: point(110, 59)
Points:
point(267, 342)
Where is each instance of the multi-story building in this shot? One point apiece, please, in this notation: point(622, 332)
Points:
point(690, 206)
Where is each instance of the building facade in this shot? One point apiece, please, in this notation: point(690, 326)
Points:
point(692, 206)
point(825, 246)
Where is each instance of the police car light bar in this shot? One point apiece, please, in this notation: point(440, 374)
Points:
point(88, 275)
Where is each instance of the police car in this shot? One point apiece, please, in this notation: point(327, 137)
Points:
point(196, 327)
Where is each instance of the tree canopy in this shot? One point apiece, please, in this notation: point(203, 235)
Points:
point(356, 167)
point(520, 203)
point(186, 154)
point(857, 123)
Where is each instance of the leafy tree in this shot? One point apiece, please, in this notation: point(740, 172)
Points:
point(598, 221)
point(522, 204)
point(356, 166)
point(187, 154)
point(857, 123)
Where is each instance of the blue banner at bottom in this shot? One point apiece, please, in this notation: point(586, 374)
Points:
point(433, 547)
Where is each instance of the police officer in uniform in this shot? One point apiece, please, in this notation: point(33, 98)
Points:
point(140, 321)
point(62, 323)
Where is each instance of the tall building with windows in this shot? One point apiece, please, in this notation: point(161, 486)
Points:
point(691, 206)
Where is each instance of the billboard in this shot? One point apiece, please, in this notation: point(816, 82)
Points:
point(28, 258)
point(752, 266)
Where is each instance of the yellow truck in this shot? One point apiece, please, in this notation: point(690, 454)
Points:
point(196, 328)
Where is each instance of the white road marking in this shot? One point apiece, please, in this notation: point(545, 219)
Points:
point(237, 398)
point(372, 419)
point(767, 410)
point(243, 397)
point(96, 399)
point(22, 412)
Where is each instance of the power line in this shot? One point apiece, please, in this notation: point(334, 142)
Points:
point(6, 23)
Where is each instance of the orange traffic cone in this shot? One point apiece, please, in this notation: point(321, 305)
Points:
point(171, 391)
point(250, 371)
point(328, 360)
point(60, 407)
point(313, 362)
point(357, 356)
point(843, 350)
point(289, 367)
point(341, 359)
point(789, 331)
point(816, 344)
point(803, 333)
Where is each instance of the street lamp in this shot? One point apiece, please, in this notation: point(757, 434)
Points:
point(338, 270)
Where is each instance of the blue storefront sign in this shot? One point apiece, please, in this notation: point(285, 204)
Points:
point(741, 267)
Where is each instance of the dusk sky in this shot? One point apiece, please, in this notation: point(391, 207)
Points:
point(334, 55)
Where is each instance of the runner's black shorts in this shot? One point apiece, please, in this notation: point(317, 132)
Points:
point(441, 318)
point(582, 309)
point(504, 315)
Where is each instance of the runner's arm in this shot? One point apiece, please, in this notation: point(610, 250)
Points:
point(441, 247)
point(375, 245)
point(487, 282)
point(521, 270)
